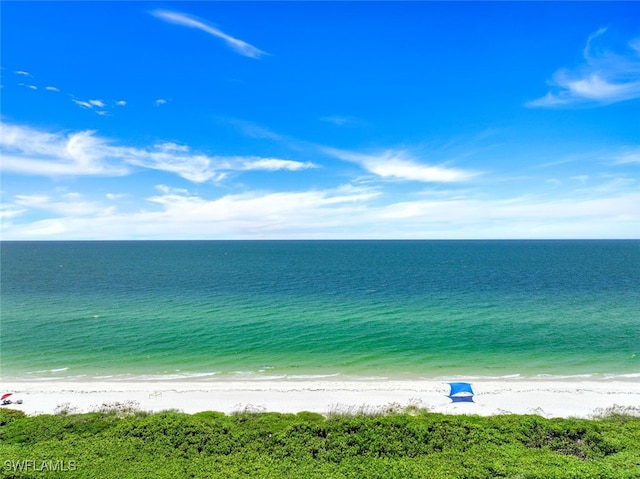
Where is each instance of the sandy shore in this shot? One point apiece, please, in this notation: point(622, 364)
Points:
point(546, 398)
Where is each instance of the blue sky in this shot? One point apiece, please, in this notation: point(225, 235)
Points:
point(233, 120)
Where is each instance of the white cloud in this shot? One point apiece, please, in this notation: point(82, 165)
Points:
point(29, 151)
point(628, 157)
point(121, 103)
point(596, 88)
point(265, 213)
point(179, 214)
point(115, 196)
point(170, 146)
point(254, 131)
point(23, 73)
point(603, 78)
point(611, 186)
point(83, 104)
point(524, 217)
point(241, 47)
point(274, 164)
point(92, 105)
point(344, 212)
point(29, 141)
point(169, 190)
point(31, 200)
point(400, 166)
point(68, 206)
point(10, 211)
point(199, 168)
point(193, 167)
point(161, 101)
point(51, 88)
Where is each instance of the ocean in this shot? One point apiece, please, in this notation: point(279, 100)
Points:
point(255, 310)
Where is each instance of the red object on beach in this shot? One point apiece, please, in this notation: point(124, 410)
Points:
point(5, 396)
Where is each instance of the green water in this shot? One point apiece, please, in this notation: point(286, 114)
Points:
point(256, 310)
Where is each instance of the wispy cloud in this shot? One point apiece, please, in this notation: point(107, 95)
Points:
point(628, 157)
point(194, 167)
point(343, 212)
point(10, 211)
point(274, 164)
point(73, 205)
point(97, 106)
point(33, 152)
point(115, 196)
point(241, 47)
point(198, 167)
point(160, 101)
point(178, 213)
point(339, 120)
point(603, 78)
point(399, 165)
point(583, 179)
point(268, 212)
point(253, 130)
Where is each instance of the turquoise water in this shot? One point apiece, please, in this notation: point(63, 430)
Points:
point(272, 309)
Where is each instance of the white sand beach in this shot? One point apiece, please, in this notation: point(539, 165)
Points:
point(547, 398)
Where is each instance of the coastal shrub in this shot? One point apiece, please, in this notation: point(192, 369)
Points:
point(47, 427)
point(33, 430)
point(307, 416)
point(10, 415)
point(178, 434)
point(214, 445)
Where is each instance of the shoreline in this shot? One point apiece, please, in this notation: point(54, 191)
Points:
point(571, 397)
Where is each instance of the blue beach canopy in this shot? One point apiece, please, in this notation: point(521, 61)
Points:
point(461, 392)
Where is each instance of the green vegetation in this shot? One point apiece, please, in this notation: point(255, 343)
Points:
point(125, 443)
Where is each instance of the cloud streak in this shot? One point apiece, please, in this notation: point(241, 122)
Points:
point(274, 164)
point(239, 46)
point(344, 212)
point(629, 157)
point(177, 213)
point(398, 165)
point(96, 106)
point(603, 78)
point(33, 152)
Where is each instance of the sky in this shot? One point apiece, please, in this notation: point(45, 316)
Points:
point(319, 120)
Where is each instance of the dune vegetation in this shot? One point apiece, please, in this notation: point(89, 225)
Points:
point(120, 441)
